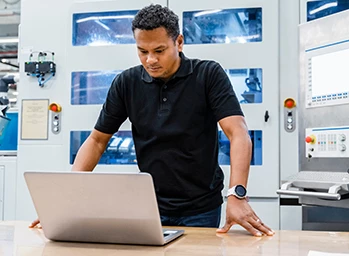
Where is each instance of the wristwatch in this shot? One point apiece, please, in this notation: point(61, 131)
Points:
point(238, 191)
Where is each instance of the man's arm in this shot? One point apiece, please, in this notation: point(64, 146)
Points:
point(238, 210)
point(91, 151)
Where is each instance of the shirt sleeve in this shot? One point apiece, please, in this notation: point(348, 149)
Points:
point(221, 95)
point(113, 112)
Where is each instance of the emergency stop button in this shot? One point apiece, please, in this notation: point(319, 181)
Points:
point(54, 107)
point(289, 103)
point(310, 139)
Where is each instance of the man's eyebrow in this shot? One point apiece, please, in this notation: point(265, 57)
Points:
point(157, 48)
point(160, 47)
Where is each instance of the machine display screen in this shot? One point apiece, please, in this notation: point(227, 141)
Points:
point(328, 84)
point(330, 79)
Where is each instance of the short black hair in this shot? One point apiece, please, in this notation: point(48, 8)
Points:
point(156, 16)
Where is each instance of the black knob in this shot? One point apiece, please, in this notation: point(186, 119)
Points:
point(266, 116)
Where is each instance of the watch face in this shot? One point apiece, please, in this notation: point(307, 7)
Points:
point(240, 190)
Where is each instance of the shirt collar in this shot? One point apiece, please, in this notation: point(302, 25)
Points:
point(185, 69)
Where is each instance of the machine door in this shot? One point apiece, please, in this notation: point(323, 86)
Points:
point(243, 37)
point(103, 29)
point(92, 41)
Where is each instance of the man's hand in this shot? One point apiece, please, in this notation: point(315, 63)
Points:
point(34, 224)
point(240, 212)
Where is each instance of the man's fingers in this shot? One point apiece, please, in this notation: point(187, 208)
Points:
point(225, 228)
point(34, 223)
point(259, 225)
point(251, 229)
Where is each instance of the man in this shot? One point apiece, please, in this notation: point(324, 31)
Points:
point(174, 104)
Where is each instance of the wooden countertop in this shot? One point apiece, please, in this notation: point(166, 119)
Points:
point(17, 239)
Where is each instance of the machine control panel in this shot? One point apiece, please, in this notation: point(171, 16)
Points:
point(289, 115)
point(327, 142)
point(55, 117)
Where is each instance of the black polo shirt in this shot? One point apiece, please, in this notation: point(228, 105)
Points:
point(174, 128)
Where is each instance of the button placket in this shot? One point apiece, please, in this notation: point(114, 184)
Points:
point(163, 97)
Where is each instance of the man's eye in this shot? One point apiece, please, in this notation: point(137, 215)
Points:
point(144, 52)
point(159, 51)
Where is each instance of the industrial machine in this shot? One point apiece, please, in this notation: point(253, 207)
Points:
point(92, 42)
point(322, 183)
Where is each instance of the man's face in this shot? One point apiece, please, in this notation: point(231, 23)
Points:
point(158, 52)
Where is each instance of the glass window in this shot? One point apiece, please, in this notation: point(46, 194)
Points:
point(224, 148)
point(120, 148)
point(9, 132)
point(103, 28)
point(247, 84)
point(322, 8)
point(223, 26)
point(91, 87)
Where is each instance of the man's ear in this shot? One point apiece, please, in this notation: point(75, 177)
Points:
point(180, 42)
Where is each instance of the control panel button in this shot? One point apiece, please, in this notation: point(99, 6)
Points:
point(289, 103)
point(342, 137)
point(310, 139)
point(54, 107)
point(342, 147)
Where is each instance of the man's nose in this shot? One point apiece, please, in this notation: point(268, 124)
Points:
point(151, 59)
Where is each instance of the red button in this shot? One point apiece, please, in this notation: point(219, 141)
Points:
point(289, 103)
point(309, 139)
point(54, 108)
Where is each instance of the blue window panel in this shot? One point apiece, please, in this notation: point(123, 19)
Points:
point(223, 26)
point(322, 8)
point(91, 87)
point(120, 148)
point(224, 148)
point(247, 84)
point(9, 132)
point(103, 28)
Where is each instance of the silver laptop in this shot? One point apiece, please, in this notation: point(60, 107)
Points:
point(98, 207)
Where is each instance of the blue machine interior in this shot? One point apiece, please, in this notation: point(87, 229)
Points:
point(9, 134)
point(91, 87)
point(247, 84)
point(103, 28)
point(121, 149)
point(222, 26)
point(224, 148)
point(322, 8)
